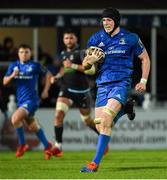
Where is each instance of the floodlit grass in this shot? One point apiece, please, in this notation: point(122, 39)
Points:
point(137, 164)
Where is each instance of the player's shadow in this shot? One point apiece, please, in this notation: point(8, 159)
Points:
point(137, 168)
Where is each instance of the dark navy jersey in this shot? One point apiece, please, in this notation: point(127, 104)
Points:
point(72, 78)
point(27, 79)
point(120, 51)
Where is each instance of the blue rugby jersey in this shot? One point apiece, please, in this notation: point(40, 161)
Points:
point(27, 79)
point(119, 54)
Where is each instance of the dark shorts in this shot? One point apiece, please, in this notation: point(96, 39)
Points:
point(80, 98)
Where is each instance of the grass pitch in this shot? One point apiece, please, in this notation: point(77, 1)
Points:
point(138, 164)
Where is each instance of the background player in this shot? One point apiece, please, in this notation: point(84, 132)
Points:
point(24, 72)
point(74, 87)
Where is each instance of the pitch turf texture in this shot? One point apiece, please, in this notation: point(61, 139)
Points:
point(116, 165)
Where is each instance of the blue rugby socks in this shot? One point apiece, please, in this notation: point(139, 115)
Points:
point(41, 136)
point(103, 141)
point(20, 134)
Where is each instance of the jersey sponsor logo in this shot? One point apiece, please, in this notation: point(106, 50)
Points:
point(116, 52)
point(23, 77)
point(22, 74)
point(101, 44)
point(111, 50)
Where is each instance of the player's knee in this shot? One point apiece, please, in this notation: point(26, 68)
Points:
point(97, 120)
point(15, 120)
point(104, 127)
point(109, 112)
point(61, 110)
point(61, 106)
point(105, 123)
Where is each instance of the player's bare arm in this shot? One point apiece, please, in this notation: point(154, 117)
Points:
point(8, 79)
point(141, 86)
point(45, 92)
point(60, 74)
point(68, 64)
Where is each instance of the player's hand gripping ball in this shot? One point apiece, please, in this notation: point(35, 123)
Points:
point(95, 54)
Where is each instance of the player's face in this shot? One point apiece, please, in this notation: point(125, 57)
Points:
point(108, 24)
point(70, 40)
point(24, 54)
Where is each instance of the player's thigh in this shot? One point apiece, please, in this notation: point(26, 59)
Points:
point(114, 105)
point(19, 115)
point(97, 120)
point(110, 111)
point(62, 107)
point(98, 111)
point(104, 115)
point(65, 100)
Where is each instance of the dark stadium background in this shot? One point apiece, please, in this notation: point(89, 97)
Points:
point(65, 4)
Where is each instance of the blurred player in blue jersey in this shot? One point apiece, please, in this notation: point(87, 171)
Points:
point(25, 72)
point(117, 47)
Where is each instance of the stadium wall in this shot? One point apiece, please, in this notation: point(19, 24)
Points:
point(147, 131)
